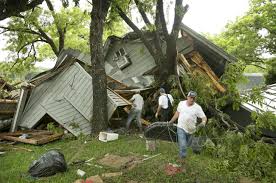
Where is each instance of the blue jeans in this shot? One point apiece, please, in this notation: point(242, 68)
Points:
point(183, 140)
point(134, 113)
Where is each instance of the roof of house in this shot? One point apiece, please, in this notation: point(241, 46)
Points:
point(253, 80)
point(267, 104)
point(215, 56)
point(65, 94)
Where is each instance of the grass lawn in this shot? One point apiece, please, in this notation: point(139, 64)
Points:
point(14, 164)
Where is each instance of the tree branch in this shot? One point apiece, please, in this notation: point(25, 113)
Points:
point(29, 31)
point(49, 41)
point(61, 33)
point(137, 31)
point(143, 13)
point(13, 8)
point(28, 55)
point(160, 15)
point(157, 39)
point(180, 11)
point(256, 65)
point(28, 43)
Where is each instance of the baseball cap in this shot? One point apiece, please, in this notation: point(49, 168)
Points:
point(162, 90)
point(192, 94)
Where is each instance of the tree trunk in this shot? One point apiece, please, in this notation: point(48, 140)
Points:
point(99, 113)
point(166, 62)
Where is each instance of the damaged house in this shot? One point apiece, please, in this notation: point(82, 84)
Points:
point(64, 93)
point(128, 60)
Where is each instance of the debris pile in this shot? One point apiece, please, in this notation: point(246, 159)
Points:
point(8, 103)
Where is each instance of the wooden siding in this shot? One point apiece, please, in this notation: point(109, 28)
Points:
point(141, 60)
point(68, 99)
point(68, 116)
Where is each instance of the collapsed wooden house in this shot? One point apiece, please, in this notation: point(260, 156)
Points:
point(127, 59)
point(64, 94)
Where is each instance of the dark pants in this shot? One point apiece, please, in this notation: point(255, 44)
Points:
point(165, 115)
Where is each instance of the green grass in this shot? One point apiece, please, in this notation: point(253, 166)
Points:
point(14, 164)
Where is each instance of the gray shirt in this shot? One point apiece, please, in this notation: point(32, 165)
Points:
point(137, 101)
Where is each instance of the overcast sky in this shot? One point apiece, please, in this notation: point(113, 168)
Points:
point(204, 16)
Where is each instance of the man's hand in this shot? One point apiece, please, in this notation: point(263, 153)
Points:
point(200, 125)
point(156, 115)
point(169, 123)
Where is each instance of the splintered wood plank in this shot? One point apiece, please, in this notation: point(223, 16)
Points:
point(199, 61)
point(30, 132)
point(17, 139)
point(19, 108)
point(35, 140)
point(7, 101)
point(49, 138)
point(145, 122)
point(182, 60)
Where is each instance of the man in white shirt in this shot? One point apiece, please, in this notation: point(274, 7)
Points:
point(136, 110)
point(165, 103)
point(187, 113)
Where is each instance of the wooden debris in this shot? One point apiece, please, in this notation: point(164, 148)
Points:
point(36, 138)
point(199, 61)
point(19, 108)
point(198, 65)
point(7, 107)
point(114, 174)
point(151, 157)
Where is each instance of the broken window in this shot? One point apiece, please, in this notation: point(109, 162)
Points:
point(122, 59)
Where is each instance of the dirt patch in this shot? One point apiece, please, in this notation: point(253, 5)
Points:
point(119, 162)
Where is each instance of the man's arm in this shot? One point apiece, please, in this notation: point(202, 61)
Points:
point(132, 99)
point(175, 116)
point(158, 110)
point(203, 121)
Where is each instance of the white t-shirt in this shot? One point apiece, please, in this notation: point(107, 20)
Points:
point(188, 115)
point(163, 100)
point(138, 101)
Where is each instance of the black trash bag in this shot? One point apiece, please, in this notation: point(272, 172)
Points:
point(48, 164)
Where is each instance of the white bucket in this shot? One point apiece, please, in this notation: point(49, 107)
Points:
point(106, 136)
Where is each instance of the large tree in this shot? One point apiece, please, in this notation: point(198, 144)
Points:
point(44, 32)
point(165, 60)
point(98, 17)
point(251, 36)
